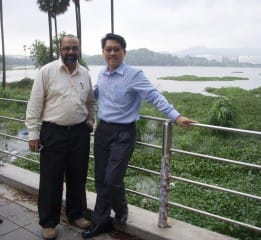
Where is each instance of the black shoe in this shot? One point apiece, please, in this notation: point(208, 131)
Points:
point(121, 219)
point(1, 220)
point(97, 229)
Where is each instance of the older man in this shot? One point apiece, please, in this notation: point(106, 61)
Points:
point(62, 99)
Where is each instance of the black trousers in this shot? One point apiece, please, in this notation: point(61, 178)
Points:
point(113, 147)
point(65, 154)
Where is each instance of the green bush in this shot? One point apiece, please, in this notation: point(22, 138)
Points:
point(223, 113)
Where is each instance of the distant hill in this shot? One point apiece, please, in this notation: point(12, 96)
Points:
point(226, 52)
point(17, 60)
point(146, 57)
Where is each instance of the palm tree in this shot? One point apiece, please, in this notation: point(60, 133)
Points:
point(59, 7)
point(45, 6)
point(3, 46)
point(52, 8)
point(78, 23)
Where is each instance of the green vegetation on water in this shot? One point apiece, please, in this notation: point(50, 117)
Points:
point(234, 107)
point(196, 78)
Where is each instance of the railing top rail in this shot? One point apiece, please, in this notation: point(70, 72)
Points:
point(11, 118)
point(14, 100)
point(227, 129)
point(206, 126)
point(155, 118)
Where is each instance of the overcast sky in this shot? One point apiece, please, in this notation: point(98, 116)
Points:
point(159, 25)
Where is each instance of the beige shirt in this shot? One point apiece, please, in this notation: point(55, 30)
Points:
point(59, 97)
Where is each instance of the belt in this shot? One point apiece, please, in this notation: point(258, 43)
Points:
point(70, 127)
point(116, 124)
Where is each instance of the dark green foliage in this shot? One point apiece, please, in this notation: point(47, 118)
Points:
point(223, 113)
point(4, 93)
point(25, 83)
point(39, 53)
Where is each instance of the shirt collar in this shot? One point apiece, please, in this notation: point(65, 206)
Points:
point(119, 70)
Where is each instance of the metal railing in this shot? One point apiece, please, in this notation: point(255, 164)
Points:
point(165, 174)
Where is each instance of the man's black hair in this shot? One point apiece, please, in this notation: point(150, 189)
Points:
point(116, 37)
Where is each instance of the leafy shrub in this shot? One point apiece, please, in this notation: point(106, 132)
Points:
point(223, 113)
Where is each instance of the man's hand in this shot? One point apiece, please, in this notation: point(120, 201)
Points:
point(183, 121)
point(90, 125)
point(35, 146)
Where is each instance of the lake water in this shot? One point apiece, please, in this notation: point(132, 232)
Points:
point(153, 73)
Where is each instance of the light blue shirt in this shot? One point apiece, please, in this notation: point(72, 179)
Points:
point(120, 93)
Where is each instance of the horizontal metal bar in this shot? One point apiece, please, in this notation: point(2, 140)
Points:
point(11, 118)
point(149, 145)
point(155, 118)
point(216, 158)
point(91, 179)
point(252, 227)
point(19, 156)
point(207, 126)
point(144, 170)
point(10, 136)
point(216, 188)
point(14, 100)
point(142, 194)
point(199, 183)
point(227, 129)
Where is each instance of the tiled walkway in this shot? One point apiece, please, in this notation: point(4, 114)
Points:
point(20, 220)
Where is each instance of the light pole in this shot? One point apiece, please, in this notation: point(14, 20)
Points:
point(24, 61)
point(112, 17)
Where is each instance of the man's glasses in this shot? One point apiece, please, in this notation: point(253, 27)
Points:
point(67, 48)
point(110, 49)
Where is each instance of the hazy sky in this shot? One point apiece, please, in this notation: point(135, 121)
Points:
point(159, 25)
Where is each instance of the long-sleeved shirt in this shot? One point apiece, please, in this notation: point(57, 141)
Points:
point(60, 97)
point(119, 94)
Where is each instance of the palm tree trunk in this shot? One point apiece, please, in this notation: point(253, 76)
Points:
point(3, 46)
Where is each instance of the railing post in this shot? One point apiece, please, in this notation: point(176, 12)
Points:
point(165, 174)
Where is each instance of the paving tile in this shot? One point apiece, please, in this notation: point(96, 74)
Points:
point(20, 234)
point(18, 214)
point(6, 226)
point(67, 233)
point(34, 227)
